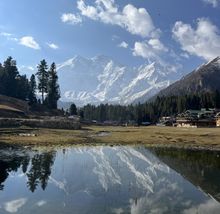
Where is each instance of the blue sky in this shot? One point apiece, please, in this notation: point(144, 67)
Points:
point(175, 32)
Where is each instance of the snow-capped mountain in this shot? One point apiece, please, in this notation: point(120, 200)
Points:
point(101, 80)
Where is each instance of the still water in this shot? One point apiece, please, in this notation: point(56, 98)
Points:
point(108, 180)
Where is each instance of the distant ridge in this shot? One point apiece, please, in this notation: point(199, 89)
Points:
point(206, 78)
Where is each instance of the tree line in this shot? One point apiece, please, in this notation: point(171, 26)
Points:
point(151, 111)
point(45, 81)
point(13, 84)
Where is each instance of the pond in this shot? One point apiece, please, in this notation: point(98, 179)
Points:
point(123, 179)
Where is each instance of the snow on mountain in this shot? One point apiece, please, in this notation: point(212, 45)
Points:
point(101, 80)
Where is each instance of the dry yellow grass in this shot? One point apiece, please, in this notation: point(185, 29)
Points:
point(202, 138)
point(8, 108)
point(163, 136)
point(42, 136)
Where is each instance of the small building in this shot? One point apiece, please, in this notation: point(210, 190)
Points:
point(196, 123)
point(167, 121)
point(197, 118)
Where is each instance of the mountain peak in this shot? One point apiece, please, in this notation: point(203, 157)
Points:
point(101, 79)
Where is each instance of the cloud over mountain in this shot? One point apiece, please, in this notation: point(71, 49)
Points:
point(149, 49)
point(135, 20)
point(203, 41)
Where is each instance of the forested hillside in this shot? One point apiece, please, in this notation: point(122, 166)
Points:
point(161, 106)
point(15, 85)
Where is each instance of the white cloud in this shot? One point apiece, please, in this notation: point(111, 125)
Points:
point(53, 46)
point(88, 11)
point(214, 3)
point(31, 68)
point(203, 41)
point(5, 34)
point(9, 36)
point(149, 49)
point(143, 49)
point(157, 45)
point(71, 18)
point(123, 44)
point(29, 42)
point(13, 206)
point(135, 20)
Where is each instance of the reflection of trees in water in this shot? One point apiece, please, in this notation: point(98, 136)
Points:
point(40, 170)
point(37, 168)
point(202, 168)
point(9, 163)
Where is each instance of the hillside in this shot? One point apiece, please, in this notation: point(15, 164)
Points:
point(206, 78)
point(12, 107)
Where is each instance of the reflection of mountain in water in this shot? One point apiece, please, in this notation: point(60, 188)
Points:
point(97, 180)
point(125, 179)
point(202, 168)
point(37, 167)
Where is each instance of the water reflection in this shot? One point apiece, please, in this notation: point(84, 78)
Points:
point(40, 170)
point(202, 168)
point(102, 180)
point(37, 167)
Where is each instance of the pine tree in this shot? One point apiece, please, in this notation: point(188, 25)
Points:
point(53, 87)
point(32, 89)
point(42, 75)
point(10, 74)
point(22, 87)
point(73, 109)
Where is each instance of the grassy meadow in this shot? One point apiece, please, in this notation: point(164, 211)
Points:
point(192, 138)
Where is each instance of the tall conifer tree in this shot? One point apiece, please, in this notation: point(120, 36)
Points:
point(53, 87)
point(10, 77)
point(32, 90)
point(42, 75)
